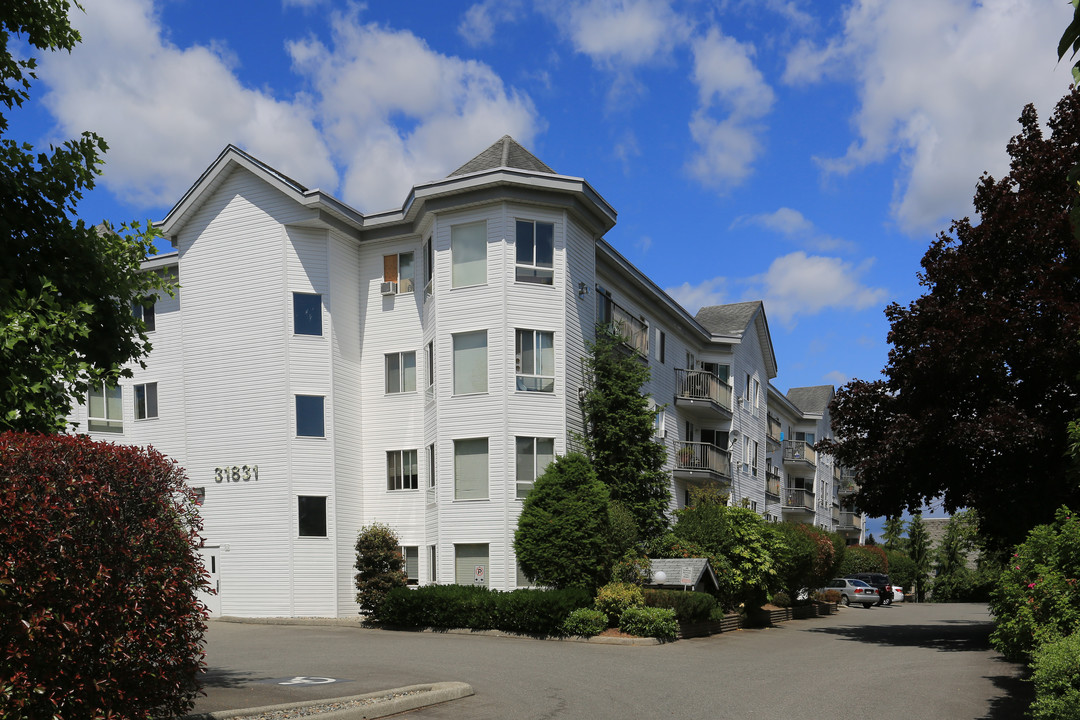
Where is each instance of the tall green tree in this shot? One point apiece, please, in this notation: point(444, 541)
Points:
point(982, 378)
point(893, 533)
point(619, 438)
point(66, 288)
point(919, 552)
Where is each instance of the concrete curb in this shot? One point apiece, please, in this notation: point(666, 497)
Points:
point(381, 705)
point(359, 625)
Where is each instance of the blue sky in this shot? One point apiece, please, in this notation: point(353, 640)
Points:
point(799, 152)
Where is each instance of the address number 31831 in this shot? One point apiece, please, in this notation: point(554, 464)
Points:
point(236, 473)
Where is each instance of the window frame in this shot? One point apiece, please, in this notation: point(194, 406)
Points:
point(459, 275)
point(146, 313)
point(303, 314)
point(533, 271)
point(393, 264)
point(462, 387)
point(322, 415)
point(414, 578)
point(533, 382)
point(143, 412)
point(300, 517)
point(460, 490)
point(401, 481)
point(402, 367)
point(534, 458)
point(106, 422)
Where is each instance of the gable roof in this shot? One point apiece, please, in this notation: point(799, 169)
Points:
point(814, 399)
point(504, 152)
point(700, 572)
point(730, 319)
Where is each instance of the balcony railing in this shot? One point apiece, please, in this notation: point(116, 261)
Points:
point(772, 485)
point(799, 451)
point(798, 498)
point(773, 429)
point(836, 516)
point(704, 457)
point(702, 385)
point(634, 332)
point(851, 521)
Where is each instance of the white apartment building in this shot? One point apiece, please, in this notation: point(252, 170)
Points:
point(321, 369)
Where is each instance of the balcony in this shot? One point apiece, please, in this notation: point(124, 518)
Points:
point(798, 500)
point(850, 521)
point(702, 394)
point(772, 486)
point(799, 453)
point(773, 432)
point(701, 463)
point(836, 516)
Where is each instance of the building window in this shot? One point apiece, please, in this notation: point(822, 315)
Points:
point(429, 267)
point(307, 313)
point(533, 457)
point(311, 515)
point(401, 372)
point(659, 423)
point(468, 254)
point(145, 312)
point(146, 401)
point(431, 364)
point(431, 466)
point(535, 252)
point(105, 409)
point(661, 345)
point(754, 459)
point(757, 394)
point(471, 469)
point(470, 362)
point(200, 495)
point(535, 360)
point(433, 575)
point(410, 558)
point(398, 268)
point(402, 472)
point(309, 416)
point(471, 564)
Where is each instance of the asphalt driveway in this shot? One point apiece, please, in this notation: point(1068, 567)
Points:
point(913, 661)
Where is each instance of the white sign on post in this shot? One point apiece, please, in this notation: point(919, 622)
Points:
point(686, 576)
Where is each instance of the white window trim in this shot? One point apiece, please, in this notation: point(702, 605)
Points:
point(454, 369)
point(135, 398)
point(401, 480)
point(533, 265)
point(112, 425)
point(520, 372)
point(536, 470)
point(401, 372)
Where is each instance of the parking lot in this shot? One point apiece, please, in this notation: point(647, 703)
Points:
point(919, 661)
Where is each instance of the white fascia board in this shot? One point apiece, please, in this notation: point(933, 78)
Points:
point(158, 262)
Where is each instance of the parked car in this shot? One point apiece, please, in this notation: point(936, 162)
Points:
point(854, 591)
point(879, 581)
point(897, 593)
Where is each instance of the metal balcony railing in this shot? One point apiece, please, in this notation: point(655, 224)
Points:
point(799, 451)
point(773, 428)
point(702, 456)
point(851, 521)
point(798, 498)
point(702, 385)
point(772, 486)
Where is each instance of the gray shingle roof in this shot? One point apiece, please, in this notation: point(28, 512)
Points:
point(506, 152)
point(701, 573)
point(730, 319)
point(813, 399)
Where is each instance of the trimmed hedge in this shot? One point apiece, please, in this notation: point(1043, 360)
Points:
point(1056, 674)
point(528, 611)
point(99, 571)
point(650, 622)
point(585, 622)
point(688, 606)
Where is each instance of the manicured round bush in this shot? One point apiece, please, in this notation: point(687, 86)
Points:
point(650, 622)
point(99, 571)
point(781, 599)
point(614, 598)
point(379, 566)
point(585, 622)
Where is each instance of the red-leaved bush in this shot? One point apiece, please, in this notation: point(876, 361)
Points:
point(98, 578)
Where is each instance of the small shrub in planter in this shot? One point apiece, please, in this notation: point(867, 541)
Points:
point(717, 614)
point(650, 622)
point(688, 606)
point(781, 599)
point(1056, 675)
point(614, 598)
point(585, 622)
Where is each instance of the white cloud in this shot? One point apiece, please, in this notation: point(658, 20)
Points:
point(619, 34)
point(371, 78)
point(799, 284)
point(478, 24)
point(793, 225)
point(940, 83)
point(166, 112)
point(836, 378)
point(726, 79)
point(695, 297)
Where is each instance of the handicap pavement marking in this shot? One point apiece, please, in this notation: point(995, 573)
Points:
point(303, 680)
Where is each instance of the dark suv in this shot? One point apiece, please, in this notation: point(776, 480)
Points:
point(878, 580)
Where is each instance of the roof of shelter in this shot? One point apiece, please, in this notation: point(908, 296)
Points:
point(505, 152)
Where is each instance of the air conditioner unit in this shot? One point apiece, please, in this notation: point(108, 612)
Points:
point(388, 288)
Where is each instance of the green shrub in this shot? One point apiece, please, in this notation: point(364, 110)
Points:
point(585, 622)
point(806, 556)
point(614, 598)
point(378, 565)
point(688, 606)
point(1037, 598)
point(781, 599)
point(634, 569)
point(99, 574)
point(717, 614)
point(863, 558)
point(829, 596)
point(650, 622)
point(528, 611)
point(1056, 674)
point(563, 535)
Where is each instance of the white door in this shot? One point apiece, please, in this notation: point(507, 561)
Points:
point(210, 555)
